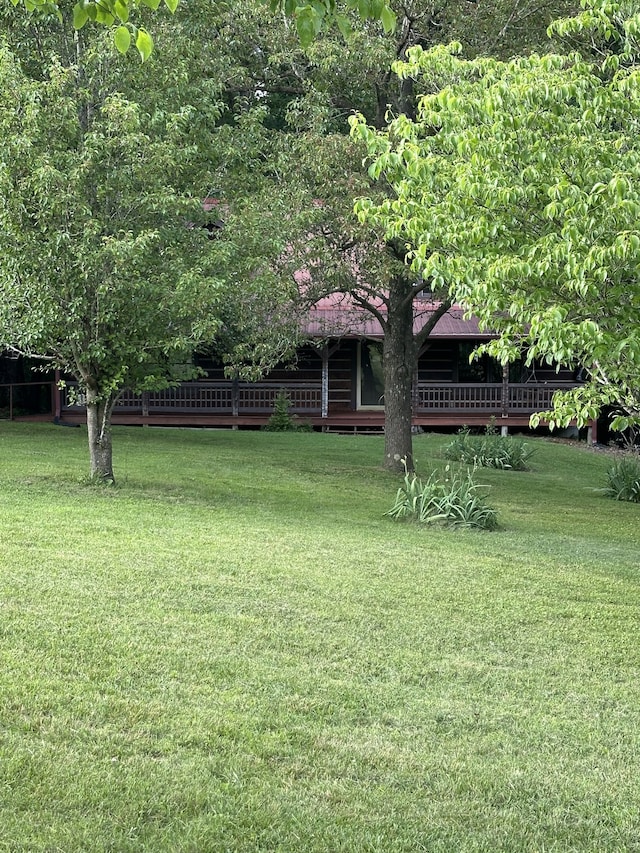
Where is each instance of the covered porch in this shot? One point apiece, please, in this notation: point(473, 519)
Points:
point(227, 403)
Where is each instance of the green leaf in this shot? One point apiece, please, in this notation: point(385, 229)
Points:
point(307, 25)
point(388, 19)
point(344, 25)
point(103, 16)
point(364, 9)
point(171, 5)
point(121, 10)
point(144, 43)
point(122, 39)
point(80, 16)
point(152, 4)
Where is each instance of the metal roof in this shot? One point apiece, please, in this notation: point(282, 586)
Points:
point(328, 319)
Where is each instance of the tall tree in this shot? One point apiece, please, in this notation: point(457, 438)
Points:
point(516, 189)
point(307, 96)
point(104, 270)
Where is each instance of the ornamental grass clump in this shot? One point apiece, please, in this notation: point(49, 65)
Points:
point(623, 480)
point(450, 498)
point(490, 450)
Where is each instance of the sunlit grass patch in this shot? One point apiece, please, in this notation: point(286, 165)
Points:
point(235, 650)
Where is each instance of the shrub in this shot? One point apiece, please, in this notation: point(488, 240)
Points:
point(450, 498)
point(490, 450)
point(623, 480)
point(282, 420)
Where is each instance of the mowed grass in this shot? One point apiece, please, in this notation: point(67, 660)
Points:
point(233, 650)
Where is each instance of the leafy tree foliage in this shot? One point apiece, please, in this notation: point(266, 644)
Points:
point(516, 188)
point(282, 147)
point(119, 16)
point(306, 97)
point(104, 268)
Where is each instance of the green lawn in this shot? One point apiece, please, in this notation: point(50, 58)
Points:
point(234, 650)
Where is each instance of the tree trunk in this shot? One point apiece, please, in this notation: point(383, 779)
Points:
point(99, 434)
point(399, 359)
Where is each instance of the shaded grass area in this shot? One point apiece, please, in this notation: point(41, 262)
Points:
point(234, 650)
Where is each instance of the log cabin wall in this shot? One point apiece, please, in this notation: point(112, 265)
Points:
point(438, 363)
point(343, 361)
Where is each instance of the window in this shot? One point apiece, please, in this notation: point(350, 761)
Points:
point(483, 369)
point(370, 376)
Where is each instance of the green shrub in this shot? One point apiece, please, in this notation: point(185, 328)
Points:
point(450, 498)
point(490, 450)
point(623, 480)
point(282, 420)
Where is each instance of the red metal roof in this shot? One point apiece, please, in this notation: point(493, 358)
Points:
point(337, 316)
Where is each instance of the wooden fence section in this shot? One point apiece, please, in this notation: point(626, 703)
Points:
point(534, 397)
point(189, 397)
point(450, 397)
point(305, 397)
point(494, 397)
point(20, 398)
point(258, 398)
point(224, 398)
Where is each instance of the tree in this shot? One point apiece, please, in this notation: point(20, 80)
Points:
point(104, 268)
point(119, 15)
point(341, 256)
point(516, 189)
point(307, 96)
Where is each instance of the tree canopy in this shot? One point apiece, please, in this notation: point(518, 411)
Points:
point(121, 16)
point(294, 104)
point(516, 188)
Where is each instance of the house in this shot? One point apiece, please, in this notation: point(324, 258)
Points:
point(24, 392)
point(336, 383)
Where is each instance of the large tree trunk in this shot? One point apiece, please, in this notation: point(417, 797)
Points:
point(99, 434)
point(399, 360)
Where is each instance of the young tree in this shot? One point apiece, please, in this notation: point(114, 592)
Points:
point(104, 268)
point(516, 189)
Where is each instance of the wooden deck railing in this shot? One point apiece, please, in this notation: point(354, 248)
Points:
point(459, 397)
point(522, 398)
point(189, 397)
point(534, 397)
point(225, 398)
point(19, 397)
point(237, 398)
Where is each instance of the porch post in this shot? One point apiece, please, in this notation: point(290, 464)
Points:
point(55, 394)
point(235, 393)
point(504, 399)
point(325, 382)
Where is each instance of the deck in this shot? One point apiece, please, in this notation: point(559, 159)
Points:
point(249, 405)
